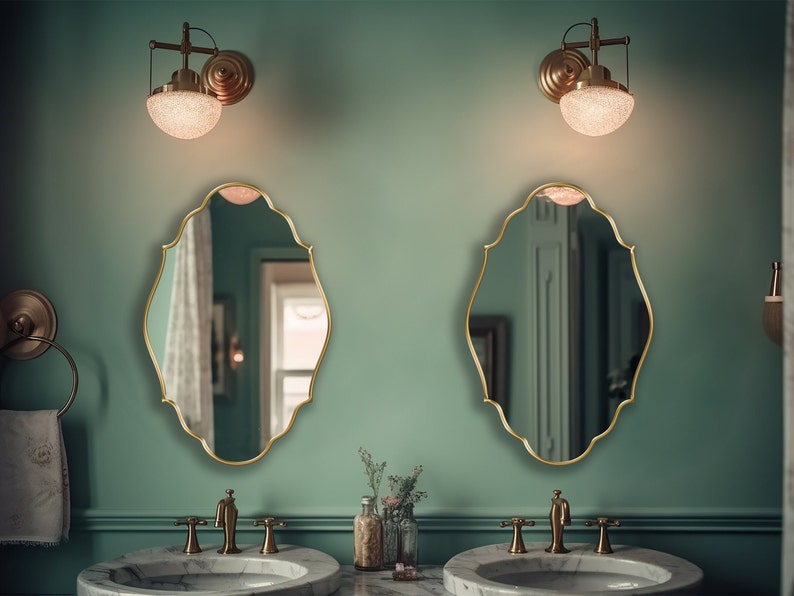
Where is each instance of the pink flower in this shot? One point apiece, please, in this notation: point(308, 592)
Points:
point(392, 502)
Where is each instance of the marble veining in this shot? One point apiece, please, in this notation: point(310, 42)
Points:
point(380, 583)
point(293, 570)
point(493, 571)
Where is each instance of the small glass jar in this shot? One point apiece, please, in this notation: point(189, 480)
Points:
point(367, 538)
point(391, 537)
point(409, 539)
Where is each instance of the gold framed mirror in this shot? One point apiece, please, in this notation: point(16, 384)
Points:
point(559, 323)
point(237, 323)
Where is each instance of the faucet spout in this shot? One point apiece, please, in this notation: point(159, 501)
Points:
point(226, 518)
point(219, 513)
point(559, 516)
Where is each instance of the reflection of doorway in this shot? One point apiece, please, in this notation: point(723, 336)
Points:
point(294, 329)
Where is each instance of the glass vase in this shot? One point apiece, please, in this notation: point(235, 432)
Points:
point(391, 537)
point(367, 538)
point(409, 539)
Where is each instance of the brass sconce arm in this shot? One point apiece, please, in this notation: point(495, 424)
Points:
point(185, 47)
point(595, 42)
point(773, 306)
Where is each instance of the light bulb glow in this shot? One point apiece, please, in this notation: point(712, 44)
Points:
point(239, 195)
point(563, 195)
point(184, 114)
point(595, 110)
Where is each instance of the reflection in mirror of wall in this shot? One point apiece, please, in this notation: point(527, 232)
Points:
point(559, 323)
point(237, 323)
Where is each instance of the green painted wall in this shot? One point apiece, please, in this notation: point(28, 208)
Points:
point(397, 135)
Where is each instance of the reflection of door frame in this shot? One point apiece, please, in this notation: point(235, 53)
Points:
point(553, 406)
point(290, 282)
point(273, 271)
point(257, 256)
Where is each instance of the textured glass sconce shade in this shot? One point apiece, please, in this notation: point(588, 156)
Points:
point(598, 105)
point(184, 108)
point(596, 111)
point(239, 195)
point(563, 195)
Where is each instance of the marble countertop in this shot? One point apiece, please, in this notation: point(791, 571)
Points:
point(430, 578)
point(380, 583)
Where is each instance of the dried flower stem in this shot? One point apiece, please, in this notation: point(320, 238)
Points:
point(374, 474)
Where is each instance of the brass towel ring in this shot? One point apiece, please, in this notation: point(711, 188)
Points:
point(68, 357)
point(26, 312)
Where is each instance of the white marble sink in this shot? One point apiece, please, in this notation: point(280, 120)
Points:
point(492, 571)
point(166, 570)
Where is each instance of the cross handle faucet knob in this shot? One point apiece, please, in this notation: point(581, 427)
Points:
point(269, 545)
point(191, 545)
point(603, 547)
point(517, 545)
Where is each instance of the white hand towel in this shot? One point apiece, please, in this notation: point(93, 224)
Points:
point(34, 479)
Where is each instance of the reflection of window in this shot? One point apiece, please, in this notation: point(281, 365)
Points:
point(292, 341)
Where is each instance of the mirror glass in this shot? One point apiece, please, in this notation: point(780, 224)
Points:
point(237, 323)
point(559, 323)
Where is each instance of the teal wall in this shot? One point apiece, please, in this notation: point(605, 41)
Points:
point(397, 135)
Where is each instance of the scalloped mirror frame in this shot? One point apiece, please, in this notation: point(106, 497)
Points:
point(486, 397)
point(235, 188)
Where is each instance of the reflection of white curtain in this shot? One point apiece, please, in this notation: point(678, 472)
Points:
point(187, 368)
point(787, 581)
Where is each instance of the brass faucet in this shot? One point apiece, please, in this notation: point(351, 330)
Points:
point(559, 516)
point(226, 518)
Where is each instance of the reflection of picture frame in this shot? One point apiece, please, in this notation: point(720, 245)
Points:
point(489, 338)
point(221, 332)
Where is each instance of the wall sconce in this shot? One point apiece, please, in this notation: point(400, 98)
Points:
point(190, 106)
point(236, 354)
point(590, 101)
point(773, 306)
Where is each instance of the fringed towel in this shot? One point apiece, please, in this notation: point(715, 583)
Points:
point(34, 479)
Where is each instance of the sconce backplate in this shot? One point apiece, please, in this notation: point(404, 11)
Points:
point(26, 312)
point(229, 75)
point(559, 71)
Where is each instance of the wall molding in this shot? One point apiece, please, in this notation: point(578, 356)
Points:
point(762, 521)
